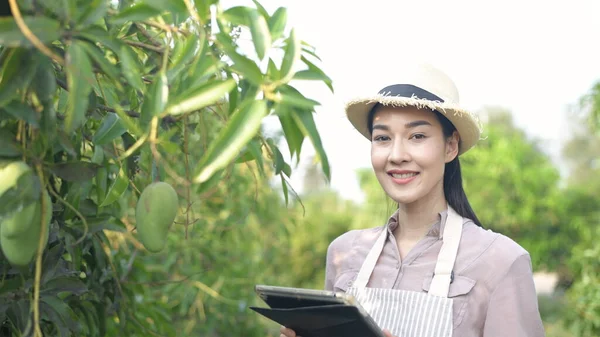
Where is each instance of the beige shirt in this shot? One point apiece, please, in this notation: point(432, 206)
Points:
point(493, 291)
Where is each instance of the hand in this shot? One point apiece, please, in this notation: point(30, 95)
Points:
point(285, 332)
point(387, 333)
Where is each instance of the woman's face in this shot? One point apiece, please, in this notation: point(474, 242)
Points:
point(409, 152)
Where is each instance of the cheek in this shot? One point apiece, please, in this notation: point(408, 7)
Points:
point(378, 158)
point(432, 158)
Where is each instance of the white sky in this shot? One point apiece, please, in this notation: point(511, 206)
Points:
point(533, 57)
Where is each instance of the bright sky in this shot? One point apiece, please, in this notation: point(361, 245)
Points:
point(535, 58)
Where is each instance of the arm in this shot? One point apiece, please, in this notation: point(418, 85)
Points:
point(513, 307)
point(329, 269)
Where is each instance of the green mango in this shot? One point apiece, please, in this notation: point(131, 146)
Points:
point(155, 212)
point(20, 221)
point(10, 172)
point(20, 249)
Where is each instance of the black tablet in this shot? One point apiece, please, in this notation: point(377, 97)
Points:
point(316, 313)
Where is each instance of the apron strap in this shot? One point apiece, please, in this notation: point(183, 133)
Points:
point(440, 285)
point(369, 265)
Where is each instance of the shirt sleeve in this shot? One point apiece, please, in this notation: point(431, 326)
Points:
point(513, 307)
point(329, 269)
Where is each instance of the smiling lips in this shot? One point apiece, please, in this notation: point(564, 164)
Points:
point(402, 177)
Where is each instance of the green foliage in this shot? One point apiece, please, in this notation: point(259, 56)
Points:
point(583, 295)
point(136, 92)
point(514, 189)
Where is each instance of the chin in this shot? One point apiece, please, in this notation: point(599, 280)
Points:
point(403, 198)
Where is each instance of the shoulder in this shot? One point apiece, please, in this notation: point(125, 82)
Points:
point(346, 252)
point(346, 241)
point(482, 248)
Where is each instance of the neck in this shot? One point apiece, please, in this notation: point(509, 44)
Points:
point(415, 219)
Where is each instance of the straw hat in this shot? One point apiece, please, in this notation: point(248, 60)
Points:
point(422, 87)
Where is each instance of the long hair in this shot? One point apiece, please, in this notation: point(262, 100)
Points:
point(453, 186)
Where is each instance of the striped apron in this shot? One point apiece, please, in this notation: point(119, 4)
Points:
point(410, 313)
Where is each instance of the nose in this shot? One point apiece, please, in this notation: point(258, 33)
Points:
point(399, 152)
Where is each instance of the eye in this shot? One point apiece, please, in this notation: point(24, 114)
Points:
point(380, 138)
point(418, 136)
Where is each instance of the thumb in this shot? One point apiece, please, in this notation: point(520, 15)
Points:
point(387, 333)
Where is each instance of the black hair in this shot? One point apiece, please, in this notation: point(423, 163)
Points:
point(453, 187)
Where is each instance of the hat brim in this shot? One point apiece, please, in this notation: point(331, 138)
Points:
point(467, 124)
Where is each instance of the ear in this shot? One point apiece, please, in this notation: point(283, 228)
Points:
point(452, 147)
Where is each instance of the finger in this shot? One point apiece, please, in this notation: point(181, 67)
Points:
point(387, 333)
point(287, 332)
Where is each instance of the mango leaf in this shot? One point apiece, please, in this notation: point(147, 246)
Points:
point(44, 81)
point(278, 161)
point(105, 223)
point(241, 63)
point(22, 112)
point(292, 54)
point(243, 125)
point(100, 60)
point(110, 129)
point(293, 134)
point(94, 11)
point(65, 143)
point(277, 23)
point(63, 9)
point(49, 314)
point(290, 96)
point(155, 99)
point(304, 120)
point(272, 71)
point(48, 121)
point(176, 8)
point(238, 15)
point(197, 98)
point(8, 145)
point(313, 73)
point(43, 27)
point(131, 124)
point(310, 50)
point(18, 70)
point(96, 34)
point(98, 156)
point(284, 188)
point(79, 171)
point(261, 9)
point(72, 285)
point(101, 183)
point(261, 37)
point(79, 82)
point(117, 189)
point(182, 54)
point(130, 67)
point(63, 311)
point(137, 12)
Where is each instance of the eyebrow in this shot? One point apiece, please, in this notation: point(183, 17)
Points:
point(408, 125)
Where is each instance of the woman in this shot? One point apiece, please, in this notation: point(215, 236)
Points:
point(432, 270)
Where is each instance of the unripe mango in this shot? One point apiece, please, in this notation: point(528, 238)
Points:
point(20, 249)
point(155, 212)
point(20, 221)
point(10, 174)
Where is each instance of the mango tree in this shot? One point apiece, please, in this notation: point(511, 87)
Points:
point(102, 100)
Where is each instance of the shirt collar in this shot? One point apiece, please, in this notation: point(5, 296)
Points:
point(436, 229)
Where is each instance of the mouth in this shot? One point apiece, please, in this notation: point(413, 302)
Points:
point(402, 177)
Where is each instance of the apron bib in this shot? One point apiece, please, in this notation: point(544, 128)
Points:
point(410, 313)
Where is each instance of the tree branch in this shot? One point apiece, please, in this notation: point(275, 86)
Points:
point(147, 34)
point(167, 28)
point(130, 113)
point(142, 45)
